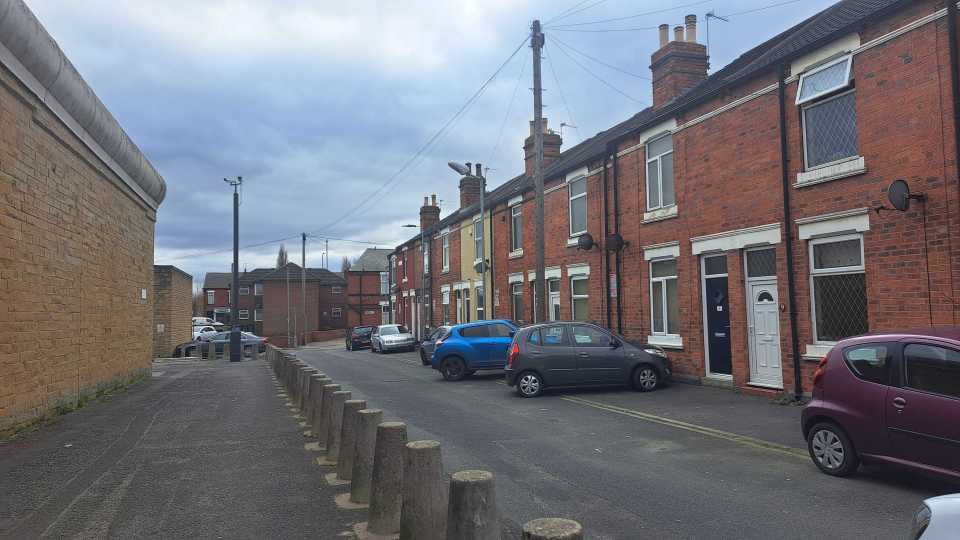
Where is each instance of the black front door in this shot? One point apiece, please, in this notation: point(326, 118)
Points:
point(718, 324)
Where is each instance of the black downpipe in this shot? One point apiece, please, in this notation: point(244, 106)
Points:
point(606, 232)
point(788, 235)
point(954, 74)
point(616, 228)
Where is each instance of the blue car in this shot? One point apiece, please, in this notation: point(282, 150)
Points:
point(466, 348)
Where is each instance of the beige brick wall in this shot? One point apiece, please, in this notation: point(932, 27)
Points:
point(172, 309)
point(76, 249)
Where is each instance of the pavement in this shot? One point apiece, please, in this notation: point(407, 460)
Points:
point(201, 450)
point(682, 462)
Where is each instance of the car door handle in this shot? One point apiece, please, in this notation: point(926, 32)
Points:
point(536, 352)
point(583, 355)
point(899, 403)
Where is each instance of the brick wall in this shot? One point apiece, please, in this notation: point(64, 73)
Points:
point(76, 250)
point(172, 309)
point(320, 303)
point(363, 299)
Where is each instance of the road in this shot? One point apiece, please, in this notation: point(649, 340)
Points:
point(681, 462)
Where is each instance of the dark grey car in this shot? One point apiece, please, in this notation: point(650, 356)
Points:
point(581, 354)
point(430, 343)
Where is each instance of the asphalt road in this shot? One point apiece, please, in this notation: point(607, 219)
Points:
point(681, 462)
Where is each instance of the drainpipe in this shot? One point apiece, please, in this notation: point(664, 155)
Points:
point(788, 234)
point(606, 232)
point(616, 229)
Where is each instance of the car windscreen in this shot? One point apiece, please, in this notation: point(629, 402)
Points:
point(363, 330)
point(390, 330)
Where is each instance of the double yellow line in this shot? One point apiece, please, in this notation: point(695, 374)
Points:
point(710, 432)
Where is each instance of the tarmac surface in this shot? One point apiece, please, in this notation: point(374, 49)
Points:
point(681, 462)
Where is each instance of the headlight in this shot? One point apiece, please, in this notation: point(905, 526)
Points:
point(655, 351)
point(920, 522)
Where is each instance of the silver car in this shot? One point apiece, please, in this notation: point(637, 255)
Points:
point(937, 519)
point(391, 337)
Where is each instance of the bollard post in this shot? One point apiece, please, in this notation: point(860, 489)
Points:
point(423, 514)
point(315, 381)
point(367, 422)
point(318, 406)
point(333, 429)
point(348, 437)
point(211, 350)
point(552, 529)
point(387, 478)
point(305, 374)
point(226, 350)
point(472, 510)
point(324, 417)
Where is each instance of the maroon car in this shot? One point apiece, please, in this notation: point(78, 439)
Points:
point(890, 399)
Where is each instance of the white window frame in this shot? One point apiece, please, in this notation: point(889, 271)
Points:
point(384, 282)
point(336, 313)
point(245, 290)
point(861, 269)
point(804, 76)
point(570, 199)
point(573, 297)
point(445, 249)
point(425, 250)
point(244, 314)
point(258, 315)
point(663, 292)
point(477, 240)
point(336, 289)
point(803, 132)
point(480, 308)
point(258, 289)
point(211, 297)
point(514, 288)
point(659, 159)
point(516, 214)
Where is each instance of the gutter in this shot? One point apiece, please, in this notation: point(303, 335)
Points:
point(955, 88)
point(618, 256)
point(606, 233)
point(788, 233)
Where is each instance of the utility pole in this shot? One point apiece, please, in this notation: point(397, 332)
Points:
point(540, 286)
point(287, 281)
point(303, 284)
point(236, 354)
point(326, 253)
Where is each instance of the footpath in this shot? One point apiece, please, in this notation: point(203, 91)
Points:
point(201, 450)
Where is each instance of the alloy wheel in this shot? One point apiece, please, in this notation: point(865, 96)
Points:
point(828, 449)
point(529, 384)
point(646, 379)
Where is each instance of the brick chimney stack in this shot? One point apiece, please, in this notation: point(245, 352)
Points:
point(678, 65)
point(470, 186)
point(551, 148)
point(429, 213)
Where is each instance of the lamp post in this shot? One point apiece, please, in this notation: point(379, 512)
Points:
point(235, 352)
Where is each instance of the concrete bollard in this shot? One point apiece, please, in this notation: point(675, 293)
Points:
point(324, 417)
point(367, 422)
point(348, 437)
point(423, 515)
point(552, 529)
point(472, 510)
point(318, 406)
point(315, 382)
point(333, 429)
point(387, 478)
point(305, 374)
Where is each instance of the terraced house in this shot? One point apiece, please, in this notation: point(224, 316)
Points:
point(743, 221)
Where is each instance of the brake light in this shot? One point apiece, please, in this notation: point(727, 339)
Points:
point(819, 373)
point(514, 353)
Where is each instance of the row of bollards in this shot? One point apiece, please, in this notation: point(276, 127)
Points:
point(401, 483)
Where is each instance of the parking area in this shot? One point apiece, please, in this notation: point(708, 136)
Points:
point(683, 461)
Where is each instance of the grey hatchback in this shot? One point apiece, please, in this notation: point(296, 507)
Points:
point(581, 354)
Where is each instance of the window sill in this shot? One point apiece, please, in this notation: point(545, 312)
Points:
point(667, 342)
point(816, 352)
point(844, 169)
point(515, 254)
point(574, 240)
point(660, 214)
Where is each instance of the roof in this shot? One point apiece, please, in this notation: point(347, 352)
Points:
point(841, 18)
point(217, 280)
point(372, 260)
point(324, 276)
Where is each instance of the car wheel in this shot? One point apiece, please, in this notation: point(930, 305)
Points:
point(529, 384)
point(645, 378)
point(832, 450)
point(453, 368)
point(349, 348)
point(423, 358)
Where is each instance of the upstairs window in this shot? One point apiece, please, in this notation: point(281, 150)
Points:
point(829, 114)
point(577, 189)
point(660, 191)
point(384, 282)
point(425, 248)
point(478, 240)
point(258, 289)
point(516, 227)
point(445, 248)
point(244, 291)
point(210, 297)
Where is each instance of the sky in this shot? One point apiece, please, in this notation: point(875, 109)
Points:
point(322, 106)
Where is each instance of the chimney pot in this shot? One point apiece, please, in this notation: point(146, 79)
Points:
point(664, 35)
point(691, 21)
point(425, 201)
point(678, 33)
point(433, 199)
point(479, 170)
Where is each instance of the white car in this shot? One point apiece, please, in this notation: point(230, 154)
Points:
point(391, 337)
point(205, 321)
point(200, 330)
point(937, 519)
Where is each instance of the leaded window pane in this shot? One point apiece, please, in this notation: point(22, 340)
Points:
point(841, 254)
point(830, 129)
point(762, 262)
point(663, 268)
point(825, 80)
point(715, 265)
point(841, 306)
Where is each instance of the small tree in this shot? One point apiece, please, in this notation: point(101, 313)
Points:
point(345, 264)
point(282, 256)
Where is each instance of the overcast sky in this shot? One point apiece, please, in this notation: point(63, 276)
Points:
point(318, 103)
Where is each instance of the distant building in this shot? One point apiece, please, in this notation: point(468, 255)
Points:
point(172, 309)
point(216, 296)
point(368, 288)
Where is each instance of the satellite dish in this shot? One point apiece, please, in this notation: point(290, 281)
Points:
point(899, 195)
point(459, 167)
point(480, 267)
point(615, 242)
point(585, 242)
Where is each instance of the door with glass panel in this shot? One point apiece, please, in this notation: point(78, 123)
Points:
point(716, 316)
point(763, 317)
point(554, 295)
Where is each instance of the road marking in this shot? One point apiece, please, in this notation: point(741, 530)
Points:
point(710, 432)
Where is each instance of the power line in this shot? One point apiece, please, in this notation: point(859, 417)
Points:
point(562, 96)
point(771, 6)
point(574, 11)
point(436, 136)
point(597, 77)
point(267, 243)
point(605, 30)
point(636, 16)
point(513, 98)
point(601, 62)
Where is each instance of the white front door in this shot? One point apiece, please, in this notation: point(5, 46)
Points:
point(764, 321)
point(459, 308)
point(554, 285)
point(413, 315)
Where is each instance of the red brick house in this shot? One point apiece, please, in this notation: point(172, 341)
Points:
point(733, 222)
point(216, 295)
point(368, 289)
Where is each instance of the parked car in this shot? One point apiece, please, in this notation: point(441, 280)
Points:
point(466, 348)
point(206, 321)
point(199, 330)
point(358, 337)
point(937, 519)
point(891, 398)
point(391, 337)
point(565, 354)
point(428, 345)
point(246, 339)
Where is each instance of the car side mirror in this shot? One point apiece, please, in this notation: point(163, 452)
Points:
point(513, 333)
point(615, 344)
